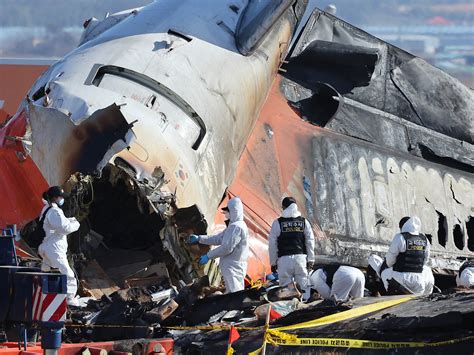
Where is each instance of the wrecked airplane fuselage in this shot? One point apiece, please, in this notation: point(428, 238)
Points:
point(360, 132)
point(168, 94)
point(377, 134)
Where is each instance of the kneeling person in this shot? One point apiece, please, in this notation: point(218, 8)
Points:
point(338, 282)
point(407, 259)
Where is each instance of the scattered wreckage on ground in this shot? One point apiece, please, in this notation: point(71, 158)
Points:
point(199, 317)
point(150, 139)
point(144, 306)
point(164, 111)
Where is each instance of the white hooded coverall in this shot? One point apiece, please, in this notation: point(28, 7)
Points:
point(347, 282)
point(53, 249)
point(291, 267)
point(418, 283)
point(466, 278)
point(233, 247)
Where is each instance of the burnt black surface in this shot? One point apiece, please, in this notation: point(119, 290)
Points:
point(321, 106)
point(189, 294)
point(203, 309)
point(435, 318)
point(95, 136)
point(366, 69)
point(122, 216)
point(126, 308)
point(302, 315)
point(342, 66)
point(191, 218)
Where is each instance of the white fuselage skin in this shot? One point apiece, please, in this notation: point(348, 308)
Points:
point(198, 61)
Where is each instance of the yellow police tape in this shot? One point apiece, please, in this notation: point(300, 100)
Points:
point(282, 339)
point(351, 313)
point(197, 327)
point(275, 336)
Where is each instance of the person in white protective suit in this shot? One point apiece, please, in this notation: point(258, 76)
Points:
point(406, 260)
point(232, 247)
point(291, 245)
point(53, 249)
point(465, 277)
point(339, 282)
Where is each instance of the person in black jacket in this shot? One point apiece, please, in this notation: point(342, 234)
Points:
point(291, 245)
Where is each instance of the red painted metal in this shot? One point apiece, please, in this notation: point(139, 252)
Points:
point(272, 166)
point(21, 182)
point(148, 346)
point(17, 79)
point(3, 115)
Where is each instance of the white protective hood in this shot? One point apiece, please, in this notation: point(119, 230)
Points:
point(236, 210)
point(291, 211)
point(412, 226)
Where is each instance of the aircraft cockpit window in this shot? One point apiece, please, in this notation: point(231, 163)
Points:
point(41, 92)
point(173, 111)
point(256, 20)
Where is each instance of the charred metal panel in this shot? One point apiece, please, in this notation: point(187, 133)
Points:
point(399, 83)
point(341, 65)
point(363, 190)
point(364, 122)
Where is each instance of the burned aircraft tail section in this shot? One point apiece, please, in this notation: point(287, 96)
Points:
point(395, 127)
point(362, 133)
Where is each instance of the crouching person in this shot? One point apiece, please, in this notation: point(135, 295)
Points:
point(406, 260)
point(338, 282)
point(465, 277)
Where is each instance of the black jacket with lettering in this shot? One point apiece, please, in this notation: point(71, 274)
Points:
point(413, 259)
point(291, 240)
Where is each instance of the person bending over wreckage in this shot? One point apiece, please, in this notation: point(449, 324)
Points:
point(53, 249)
point(291, 246)
point(338, 282)
point(406, 260)
point(465, 277)
point(233, 247)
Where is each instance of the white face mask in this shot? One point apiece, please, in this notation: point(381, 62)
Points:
point(60, 202)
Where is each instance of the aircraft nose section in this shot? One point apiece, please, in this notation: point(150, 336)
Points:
point(21, 182)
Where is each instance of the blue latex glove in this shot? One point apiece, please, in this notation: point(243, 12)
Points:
point(193, 239)
point(273, 276)
point(204, 259)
